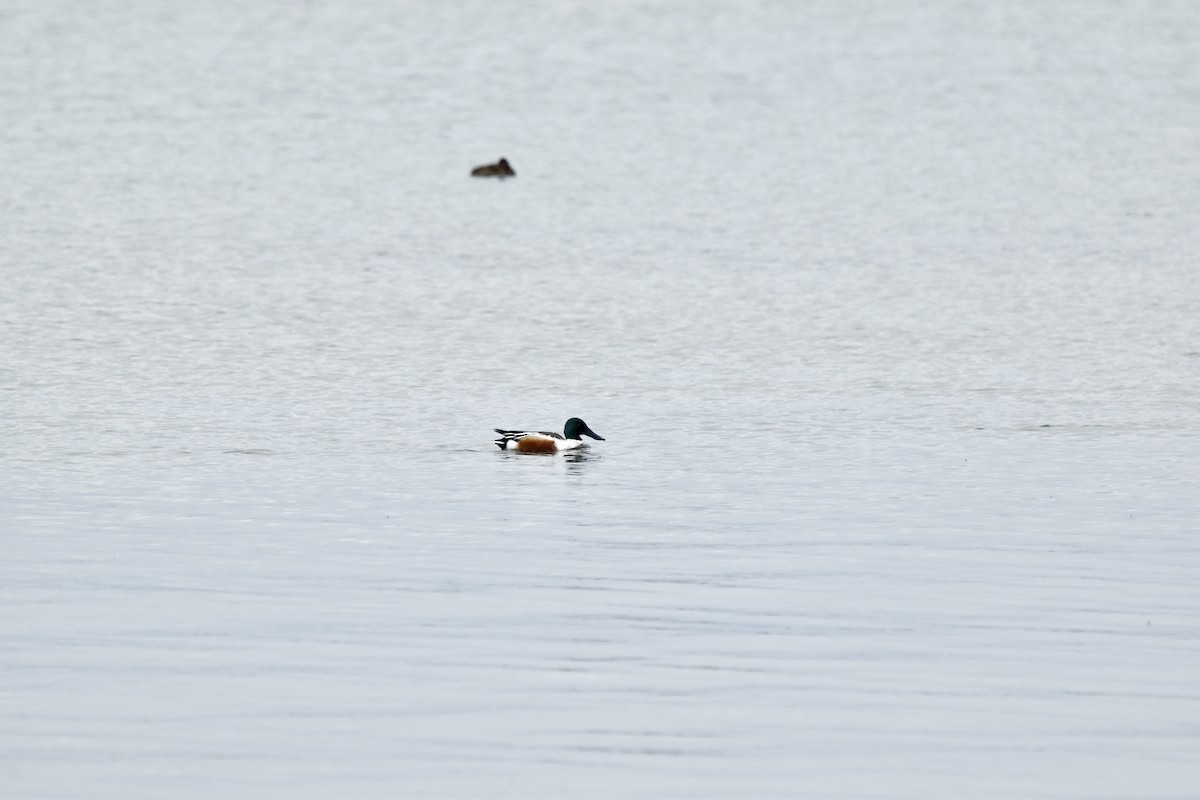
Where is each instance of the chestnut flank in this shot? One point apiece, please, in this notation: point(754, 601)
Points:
point(536, 444)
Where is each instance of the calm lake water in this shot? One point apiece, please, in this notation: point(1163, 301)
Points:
point(887, 311)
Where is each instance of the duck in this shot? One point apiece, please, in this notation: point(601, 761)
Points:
point(501, 169)
point(547, 441)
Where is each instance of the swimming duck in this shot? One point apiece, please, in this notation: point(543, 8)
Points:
point(547, 441)
point(501, 169)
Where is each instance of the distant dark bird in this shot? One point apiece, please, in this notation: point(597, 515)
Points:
point(501, 169)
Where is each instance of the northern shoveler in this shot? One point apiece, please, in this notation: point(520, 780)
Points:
point(501, 169)
point(547, 441)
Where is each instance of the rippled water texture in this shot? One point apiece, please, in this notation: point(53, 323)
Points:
point(887, 312)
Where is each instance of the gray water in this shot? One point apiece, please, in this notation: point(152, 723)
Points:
point(887, 311)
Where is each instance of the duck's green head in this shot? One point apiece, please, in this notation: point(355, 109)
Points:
point(577, 429)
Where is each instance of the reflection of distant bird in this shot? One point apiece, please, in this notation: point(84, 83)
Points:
point(547, 441)
point(501, 169)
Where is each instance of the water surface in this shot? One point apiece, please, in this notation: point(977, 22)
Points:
point(887, 314)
